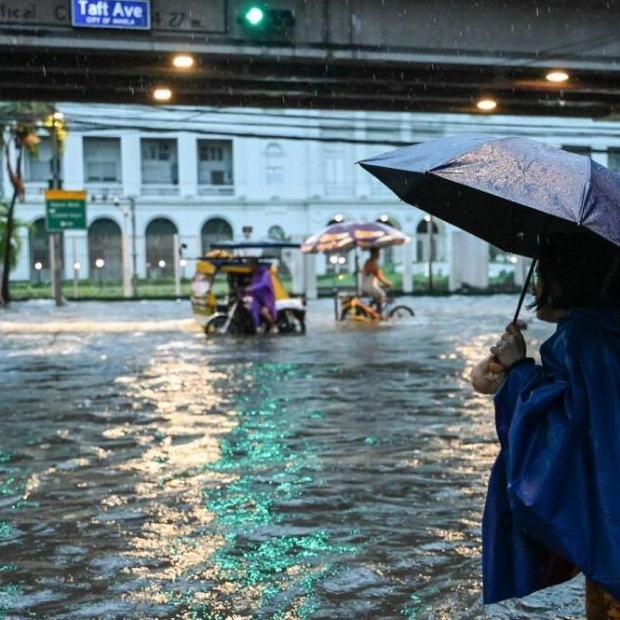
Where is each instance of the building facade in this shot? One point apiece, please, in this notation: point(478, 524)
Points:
point(163, 183)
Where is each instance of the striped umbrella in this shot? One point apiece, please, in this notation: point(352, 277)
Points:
point(345, 236)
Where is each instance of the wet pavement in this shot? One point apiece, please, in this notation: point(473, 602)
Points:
point(147, 473)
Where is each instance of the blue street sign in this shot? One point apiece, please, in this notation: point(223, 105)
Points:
point(122, 14)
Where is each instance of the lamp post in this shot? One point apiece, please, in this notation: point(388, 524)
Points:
point(99, 263)
point(180, 263)
point(76, 277)
point(38, 266)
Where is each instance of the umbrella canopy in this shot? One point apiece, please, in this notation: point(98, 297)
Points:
point(344, 236)
point(270, 244)
point(508, 191)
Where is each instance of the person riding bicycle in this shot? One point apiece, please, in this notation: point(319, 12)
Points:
point(372, 278)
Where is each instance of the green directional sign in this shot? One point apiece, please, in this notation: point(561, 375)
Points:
point(65, 210)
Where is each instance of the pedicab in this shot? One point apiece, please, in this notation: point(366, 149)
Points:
point(345, 236)
point(227, 269)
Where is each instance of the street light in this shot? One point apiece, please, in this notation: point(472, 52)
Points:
point(99, 263)
point(38, 266)
point(76, 277)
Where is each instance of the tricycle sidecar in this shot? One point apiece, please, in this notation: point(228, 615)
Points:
point(229, 274)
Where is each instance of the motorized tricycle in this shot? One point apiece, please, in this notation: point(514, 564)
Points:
point(220, 299)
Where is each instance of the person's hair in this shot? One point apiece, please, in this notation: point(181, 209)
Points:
point(374, 251)
point(577, 271)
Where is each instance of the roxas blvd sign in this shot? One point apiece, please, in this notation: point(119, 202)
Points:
point(65, 210)
point(129, 14)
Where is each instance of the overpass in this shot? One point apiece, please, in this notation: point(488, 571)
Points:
point(399, 55)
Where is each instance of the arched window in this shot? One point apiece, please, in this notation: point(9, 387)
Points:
point(337, 219)
point(276, 233)
point(39, 242)
point(105, 244)
point(160, 248)
point(215, 230)
point(426, 240)
point(388, 221)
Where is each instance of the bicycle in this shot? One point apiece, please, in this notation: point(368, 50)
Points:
point(359, 308)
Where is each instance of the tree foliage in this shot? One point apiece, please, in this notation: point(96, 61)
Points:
point(19, 123)
point(16, 239)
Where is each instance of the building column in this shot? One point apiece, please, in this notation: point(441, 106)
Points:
point(131, 161)
point(188, 165)
point(408, 266)
point(469, 261)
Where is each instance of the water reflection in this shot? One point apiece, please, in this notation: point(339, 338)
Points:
point(146, 473)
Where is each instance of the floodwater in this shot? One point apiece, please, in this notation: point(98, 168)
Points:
point(146, 473)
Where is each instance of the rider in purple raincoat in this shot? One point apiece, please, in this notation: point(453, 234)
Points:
point(263, 305)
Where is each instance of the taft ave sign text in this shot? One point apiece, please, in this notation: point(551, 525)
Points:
point(124, 14)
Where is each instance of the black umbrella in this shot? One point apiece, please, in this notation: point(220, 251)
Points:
point(509, 191)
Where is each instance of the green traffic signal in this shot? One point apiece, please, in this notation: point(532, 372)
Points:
point(254, 16)
point(261, 19)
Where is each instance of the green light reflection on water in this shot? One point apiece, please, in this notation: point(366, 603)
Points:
point(9, 486)
point(8, 595)
point(272, 466)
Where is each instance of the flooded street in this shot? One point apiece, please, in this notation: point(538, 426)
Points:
point(146, 473)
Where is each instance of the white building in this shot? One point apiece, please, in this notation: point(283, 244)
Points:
point(194, 175)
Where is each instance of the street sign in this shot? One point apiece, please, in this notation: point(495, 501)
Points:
point(121, 14)
point(64, 210)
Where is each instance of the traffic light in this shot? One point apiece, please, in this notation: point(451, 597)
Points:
point(259, 19)
point(253, 17)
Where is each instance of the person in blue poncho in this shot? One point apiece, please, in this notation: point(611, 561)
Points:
point(553, 501)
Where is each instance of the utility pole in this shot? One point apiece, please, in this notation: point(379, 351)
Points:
point(56, 259)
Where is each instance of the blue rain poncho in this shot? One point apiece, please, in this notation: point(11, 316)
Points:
point(553, 503)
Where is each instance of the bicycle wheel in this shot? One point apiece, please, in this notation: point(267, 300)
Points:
point(401, 312)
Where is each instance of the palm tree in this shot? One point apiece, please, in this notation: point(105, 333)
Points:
point(18, 126)
point(16, 240)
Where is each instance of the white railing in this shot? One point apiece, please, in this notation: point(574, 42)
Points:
point(159, 190)
point(103, 192)
point(216, 190)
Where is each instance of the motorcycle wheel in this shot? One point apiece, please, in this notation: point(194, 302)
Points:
point(215, 324)
point(291, 322)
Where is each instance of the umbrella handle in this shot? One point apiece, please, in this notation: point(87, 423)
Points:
point(525, 288)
